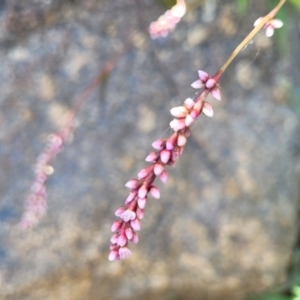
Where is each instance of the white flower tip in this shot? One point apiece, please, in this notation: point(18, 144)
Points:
point(277, 23)
point(257, 22)
point(179, 111)
point(197, 84)
point(203, 75)
point(269, 31)
point(208, 110)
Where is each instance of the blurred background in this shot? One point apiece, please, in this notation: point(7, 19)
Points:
point(227, 223)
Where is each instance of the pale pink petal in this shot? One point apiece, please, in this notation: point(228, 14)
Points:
point(210, 83)
point(130, 197)
point(113, 255)
point(257, 22)
point(165, 156)
point(158, 169)
point(154, 191)
point(142, 192)
point(158, 144)
point(122, 240)
point(135, 224)
point(124, 253)
point(179, 111)
point(269, 30)
point(119, 211)
point(132, 184)
point(207, 109)
point(129, 233)
point(203, 76)
point(216, 93)
point(164, 176)
point(128, 215)
point(142, 202)
point(181, 140)
point(177, 124)
point(197, 84)
point(171, 141)
point(189, 120)
point(114, 238)
point(276, 23)
point(135, 238)
point(140, 213)
point(189, 103)
point(152, 157)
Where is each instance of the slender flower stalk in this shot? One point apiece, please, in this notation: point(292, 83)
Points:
point(167, 152)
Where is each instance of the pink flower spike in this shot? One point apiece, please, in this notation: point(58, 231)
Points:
point(129, 233)
point(198, 84)
point(152, 157)
point(140, 213)
point(216, 93)
point(158, 169)
point(207, 110)
point(165, 156)
point(113, 255)
point(116, 225)
point(203, 76)
point(135, 238)
point(189, 120)
point(128, 215)
point(122, 240)
point(135, 224)
point(119, 211)
point(177, 124)
point(142, 192)
point(164, 176)
point(132, 184)
point(154, 191)
point(124, 253)
point(158, 144)
point(181, 140)
point(142, 202)
point(179, 112)
point(189, 103)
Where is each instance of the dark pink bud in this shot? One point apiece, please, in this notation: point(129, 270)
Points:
point(135, 224)
point(165, 156)
point(155, 192)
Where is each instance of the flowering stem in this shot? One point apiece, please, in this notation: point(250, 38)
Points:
point(247, 39)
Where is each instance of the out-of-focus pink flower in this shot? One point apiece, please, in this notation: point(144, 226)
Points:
point(205, 81)
point(270, 26)
point(167, 22)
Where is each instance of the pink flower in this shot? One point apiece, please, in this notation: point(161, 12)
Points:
point(205, 81)
point(270, 26)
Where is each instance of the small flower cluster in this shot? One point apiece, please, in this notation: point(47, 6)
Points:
point(167, 151)
point(270, 26)
point(36, 205)
point(168, 21)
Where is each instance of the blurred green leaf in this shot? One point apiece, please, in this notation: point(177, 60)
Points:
point(241, 6)
point(296, 3)
point(296, 290)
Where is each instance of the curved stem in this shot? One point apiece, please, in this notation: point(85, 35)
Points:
point(248, 38)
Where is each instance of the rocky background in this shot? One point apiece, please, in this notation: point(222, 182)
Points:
point(226, 222)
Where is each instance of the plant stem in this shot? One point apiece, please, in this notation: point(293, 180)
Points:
point(247, 39)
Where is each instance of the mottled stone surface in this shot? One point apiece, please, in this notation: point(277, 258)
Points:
point(225, 224)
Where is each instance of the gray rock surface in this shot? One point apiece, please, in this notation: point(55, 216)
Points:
point(226, 221)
